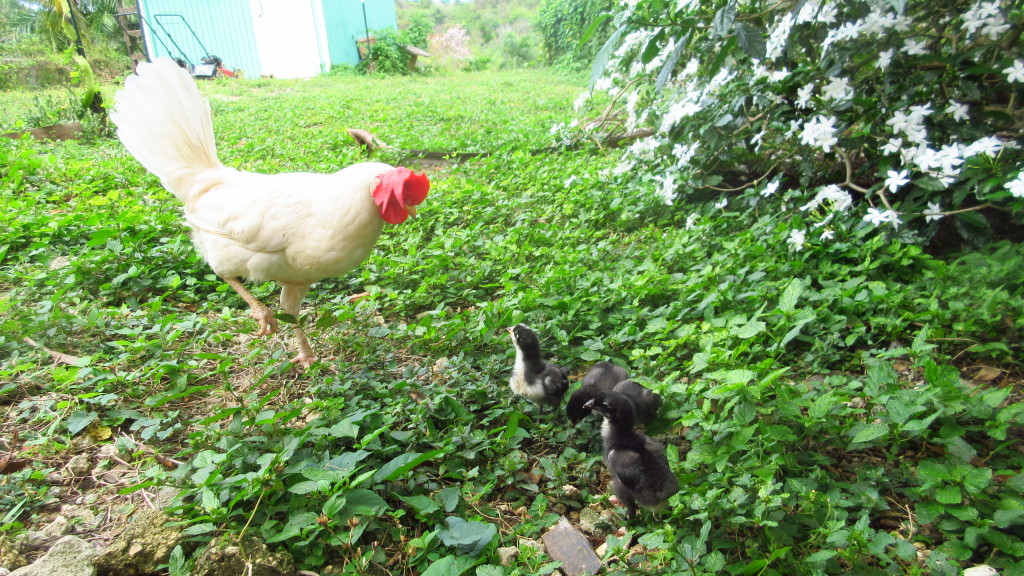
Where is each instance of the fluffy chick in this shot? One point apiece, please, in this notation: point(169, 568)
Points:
point(532, 378)
point(637, 463)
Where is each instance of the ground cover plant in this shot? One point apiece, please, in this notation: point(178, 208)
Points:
point(853, 408)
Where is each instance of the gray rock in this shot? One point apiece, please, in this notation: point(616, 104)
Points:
point(507, 555)
point(226, 555)
point(145, 544)
point(596, 523)
point(78, 467)
point(69, 556)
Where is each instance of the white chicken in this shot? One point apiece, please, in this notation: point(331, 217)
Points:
point(294, 228)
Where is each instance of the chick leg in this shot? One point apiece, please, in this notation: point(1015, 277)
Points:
point(262, 314)
point(291, 298)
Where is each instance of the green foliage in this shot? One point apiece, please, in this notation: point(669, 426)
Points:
point(895, 111)
point(811, 409)
point(574, 30)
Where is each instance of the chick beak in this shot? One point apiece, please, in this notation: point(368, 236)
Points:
point(411, 210)
point(590, 404)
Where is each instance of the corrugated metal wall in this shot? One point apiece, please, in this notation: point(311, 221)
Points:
point(344, 21)
point(224, 27)
point(227, 28)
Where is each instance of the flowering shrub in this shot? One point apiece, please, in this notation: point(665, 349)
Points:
point(450, 47)
point(896, 115)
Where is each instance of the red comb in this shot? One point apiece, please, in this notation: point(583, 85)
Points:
point(399, 188)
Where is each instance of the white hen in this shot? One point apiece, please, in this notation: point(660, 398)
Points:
point(294, 229)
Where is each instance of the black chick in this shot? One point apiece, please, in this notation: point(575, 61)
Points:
point(601, 376)
point(532, 378)
point(637, 463)
point(645, 402)
point(605, 376)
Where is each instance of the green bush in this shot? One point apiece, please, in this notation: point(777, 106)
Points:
point(564, 26)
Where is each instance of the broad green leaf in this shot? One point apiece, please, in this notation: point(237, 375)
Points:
point(468, 537)
point(364, 503)
point(670, 63)
point(304, 487)
point(588, 33)
point(749, 330)
point(722, 23)
point(751, 40)
point(421, 504)
point(79, 420)
point(203, 528)
point(948, 495)
point(601, 60)
point(870, 432)
point(450, 566)
point(402, 464)
point(791, 295)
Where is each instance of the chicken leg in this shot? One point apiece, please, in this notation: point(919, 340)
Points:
point(262, 314)
point(291, 298)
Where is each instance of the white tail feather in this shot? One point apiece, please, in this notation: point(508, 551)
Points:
point(165, 123)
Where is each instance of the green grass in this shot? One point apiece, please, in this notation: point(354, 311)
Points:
point(813, 412)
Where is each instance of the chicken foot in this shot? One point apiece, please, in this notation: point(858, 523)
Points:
point(262, 314)
point(291, 298)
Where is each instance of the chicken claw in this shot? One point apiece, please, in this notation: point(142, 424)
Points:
point(260, 312)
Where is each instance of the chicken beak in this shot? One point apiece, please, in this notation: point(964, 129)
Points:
point(590, 404)
point(411, 210)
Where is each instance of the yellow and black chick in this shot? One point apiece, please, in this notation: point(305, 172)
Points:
point(532, 378)
point(637, 463)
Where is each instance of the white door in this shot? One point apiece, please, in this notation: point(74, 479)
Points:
point(288, 36)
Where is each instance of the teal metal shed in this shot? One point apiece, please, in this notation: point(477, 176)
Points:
point(279, 38)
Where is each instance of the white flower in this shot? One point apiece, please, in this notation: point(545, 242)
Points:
point(893, 146)
point(779, 36)
point(1015, 73)
point(571, 179)
point(877, 217)
point(989, 145)
point(677, 112)
point(691, 221)
point(684, 154)
point(722, 203)
point(987, 17)
point(815, 12)
point(756, 140)
point(667, 190)
point(896, 180)
point(934, 212)
point(884, 59)
point(837, 89)
point(828, 235)
point(840, 199)
point(796, 239)
point(803, 96)
point(1016, 186)
point(770, 188)
point(915, 47)
point(820, 132)
point(958, 110)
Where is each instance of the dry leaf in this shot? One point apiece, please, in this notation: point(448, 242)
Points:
point(98, 432)
point(988, 374)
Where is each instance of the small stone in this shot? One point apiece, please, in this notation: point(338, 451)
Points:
point(250, 556)
point(78, 467)
point(69, 556)
point(507, 555)
point(146, 543)
point(55, 529)
point(568, 546)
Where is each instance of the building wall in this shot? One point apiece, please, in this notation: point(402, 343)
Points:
point(344, 19)
point(223, 27)
point(280, 38)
